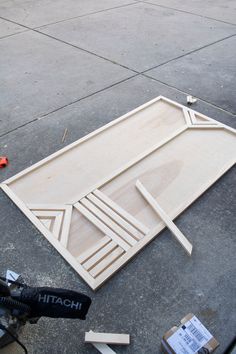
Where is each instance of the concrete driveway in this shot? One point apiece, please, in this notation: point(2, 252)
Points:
point(78, 64)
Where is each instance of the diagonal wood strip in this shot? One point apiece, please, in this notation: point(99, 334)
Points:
point(169, 223)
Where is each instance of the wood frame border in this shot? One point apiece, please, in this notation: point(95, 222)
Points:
point(96, 283)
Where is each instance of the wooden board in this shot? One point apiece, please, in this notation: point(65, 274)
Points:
point(107, 338)
point(84, 200)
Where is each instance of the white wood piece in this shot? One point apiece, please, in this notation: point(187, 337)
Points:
point(116, 217)
point(142, 228)
point(66, 225)
point(187, 117)
point(100, 225)
point(169, 223)
point(107, 338)
point(107, 221)
point(66, 254)
point(141, 146)
point(103, 348)
point(106, 262)
point(98, 257)
point(93, 250)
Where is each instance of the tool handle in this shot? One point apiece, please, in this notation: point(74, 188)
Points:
point(50, 302)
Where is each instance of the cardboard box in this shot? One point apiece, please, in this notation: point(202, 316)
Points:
point(190, 337)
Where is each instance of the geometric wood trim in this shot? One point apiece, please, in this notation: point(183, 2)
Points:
point(187, 117)
point(124, 214)
point(119, 234)
point(108, 221)
point(137, 235)
point(56, 218)
point(124, 234)
point(205, 123)
point(101, 226)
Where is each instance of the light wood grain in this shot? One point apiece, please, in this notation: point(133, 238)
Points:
point(108, 221)
point(98, 257)
point(153, 144)
point(93, 250)
point(106, 262)
point(169, 223)
point(133, 221)
point(101, 226)
point(103, 348)
point(108, 338)
point(116, 217)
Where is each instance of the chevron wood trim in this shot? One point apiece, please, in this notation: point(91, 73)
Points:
point(83, 198)
point(56, 218)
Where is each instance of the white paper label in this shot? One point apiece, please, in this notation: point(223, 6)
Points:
point(190, 337)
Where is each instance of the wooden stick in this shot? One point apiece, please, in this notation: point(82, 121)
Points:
point(103, 348)
point(169, 223)
point(108, 338)
point(64, 135)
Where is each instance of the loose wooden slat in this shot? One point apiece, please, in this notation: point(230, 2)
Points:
point(116, 217)
point(103, 348)
point(106, 262)
point(102, 227)
point(92, 250)
point(132, 220)
point(169, 223)
point(107, 221)
point(108, 338)
point(98, 257)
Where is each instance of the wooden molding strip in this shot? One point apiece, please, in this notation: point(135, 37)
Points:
point(101, 226)
point(98, 257)
point(108, 338)
point(187, 117)
point(93, 250)
point(54, 242)
point(132, 220)
point(169, 223)
point(107, 261)
point(107, 221)
point(103, 348)
point(116, 217)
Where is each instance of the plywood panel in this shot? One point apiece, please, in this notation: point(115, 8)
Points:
point(99, 220)
point(117, 144)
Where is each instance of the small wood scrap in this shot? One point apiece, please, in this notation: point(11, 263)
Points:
point(64, 135)
point(107, 338)
point(191, 99)
point(103, 348)
point(167, 220)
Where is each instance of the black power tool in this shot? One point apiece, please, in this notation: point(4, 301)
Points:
point(20, 303)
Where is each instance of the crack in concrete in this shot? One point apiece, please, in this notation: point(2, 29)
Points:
point(187, 12)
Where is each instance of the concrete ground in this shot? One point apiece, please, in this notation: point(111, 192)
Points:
point(78, 64)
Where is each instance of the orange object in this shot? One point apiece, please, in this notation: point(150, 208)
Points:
point(3, 161)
